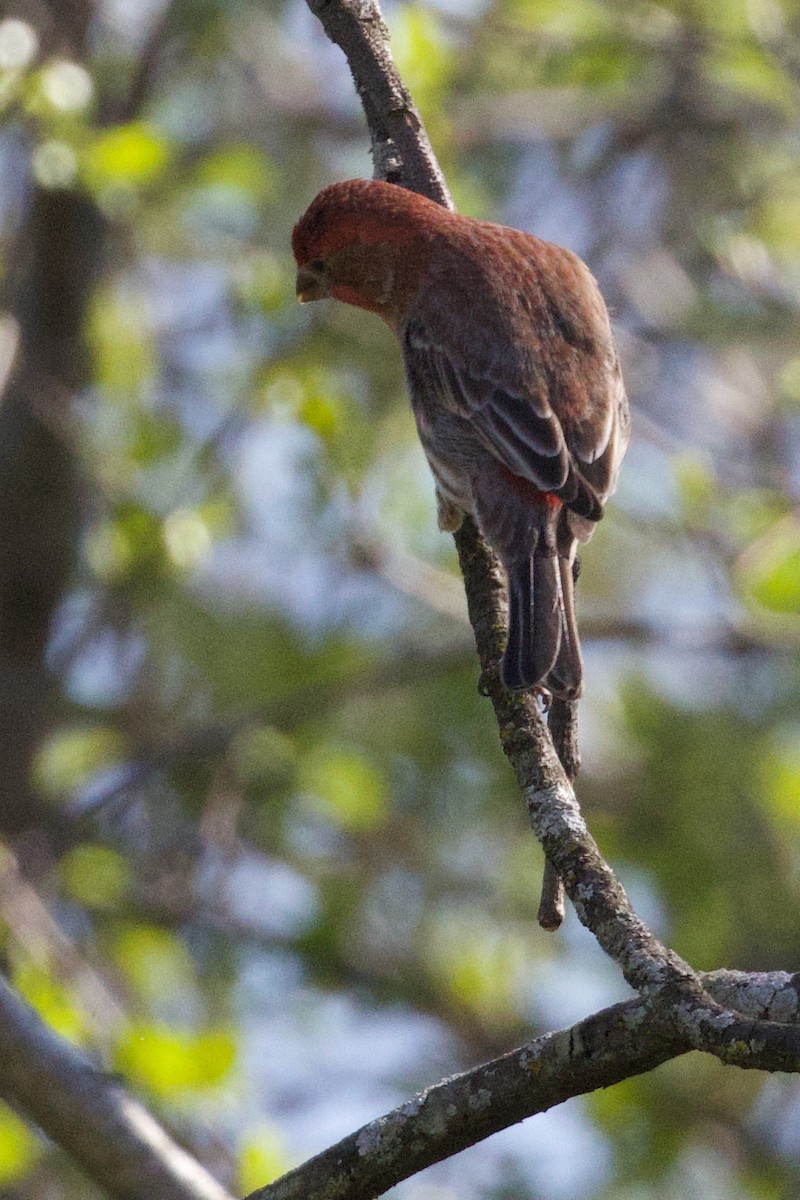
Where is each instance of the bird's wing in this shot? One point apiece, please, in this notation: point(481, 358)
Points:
point(529, 444)
point(524, 351)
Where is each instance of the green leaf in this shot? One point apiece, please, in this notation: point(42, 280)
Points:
point(123, 352)
point(776, 221)
point(187, 538)
point(264, 279)
point(168, 1061)
point(325, 401)
point(749, 513)
point(133, 155)
point(132, 539)
point(579, 18)
point(696, 484)
point(69, 757)
point(769, 572)
point(262, 1158)
point(263, 756)
point(247, 653)
point(781, 779)
point(95, 876)
point(156, 962)
point(424, 58)
point(602, 63)
point(19, 1148)
point(238, 166)
point(53, 1003)
point(746, 67)
point(345, 787)
point(789, 382)
point(480, 968)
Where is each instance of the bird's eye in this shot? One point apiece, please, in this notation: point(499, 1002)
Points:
point(317, 265)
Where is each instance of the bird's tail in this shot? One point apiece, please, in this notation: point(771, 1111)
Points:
point(543, 646)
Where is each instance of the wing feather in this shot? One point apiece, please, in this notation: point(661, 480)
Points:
point(533, 367)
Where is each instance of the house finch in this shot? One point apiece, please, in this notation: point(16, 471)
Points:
point(515, 385)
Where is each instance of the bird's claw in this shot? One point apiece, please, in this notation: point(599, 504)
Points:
point(448, 515)
point(484, 688)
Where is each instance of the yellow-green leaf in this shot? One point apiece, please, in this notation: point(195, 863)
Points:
point(52, 1002)
point(157, 963)
point(167, 1061)
point(132, 155)
point(781, 779)
point(19, 1149)
point(770, 571)
point(95, 875)
point(262, 1158)
point(345, 787)
point(69, 757)
point(238, 166)
point(424, 57)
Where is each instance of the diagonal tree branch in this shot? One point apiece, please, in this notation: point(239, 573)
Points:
point(677, 1010)
point(401, 150)
point(600, 901)
point(113, 1137)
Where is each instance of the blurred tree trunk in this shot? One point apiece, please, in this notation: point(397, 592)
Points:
point(47, 293)
point(38, 495)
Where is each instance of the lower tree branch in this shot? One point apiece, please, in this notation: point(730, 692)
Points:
point(617, 1043)
point(90, 1115)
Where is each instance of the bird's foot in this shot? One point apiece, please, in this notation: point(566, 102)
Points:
point(448, 514)
point(484, 684)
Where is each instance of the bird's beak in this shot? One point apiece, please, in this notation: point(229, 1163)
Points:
point(311, 286)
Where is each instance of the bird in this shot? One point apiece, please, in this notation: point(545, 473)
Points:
point(515, 385)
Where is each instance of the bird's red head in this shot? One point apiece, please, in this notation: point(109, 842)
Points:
point(349, 242)
point(358, 210)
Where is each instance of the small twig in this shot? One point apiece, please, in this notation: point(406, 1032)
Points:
point(552, 906)
point(562, 721)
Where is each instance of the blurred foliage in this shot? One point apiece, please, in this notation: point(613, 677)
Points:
point(18, 1147)
point(298, 882)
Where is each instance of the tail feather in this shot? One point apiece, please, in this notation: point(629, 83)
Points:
point(534, 627)
point(566, 674)
point(543, 645)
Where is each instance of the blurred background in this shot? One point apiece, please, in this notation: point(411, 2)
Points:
point(261, 851)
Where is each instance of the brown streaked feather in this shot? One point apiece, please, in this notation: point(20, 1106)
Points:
point(545, 384)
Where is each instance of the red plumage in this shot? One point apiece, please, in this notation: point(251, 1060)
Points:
point(514, 381)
